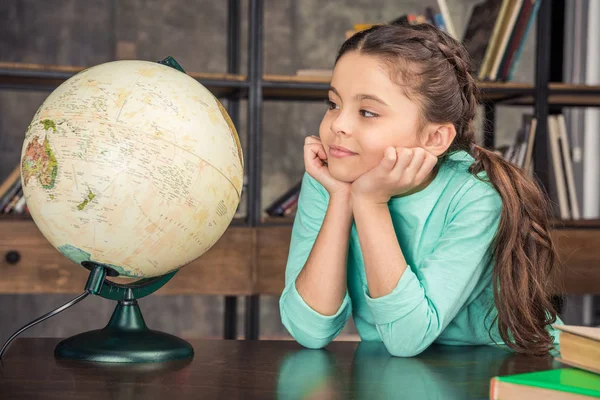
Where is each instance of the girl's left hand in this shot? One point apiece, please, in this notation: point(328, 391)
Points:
point(400, 170)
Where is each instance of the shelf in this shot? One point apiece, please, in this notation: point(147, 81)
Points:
point(277, 221)
point(563, 94)
point(15, 217)
point(244, 261)
point(576, 224)
point(287, 87)
point(48, 77)
point(290, 87)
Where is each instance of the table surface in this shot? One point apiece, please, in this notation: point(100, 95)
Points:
point(264, 370)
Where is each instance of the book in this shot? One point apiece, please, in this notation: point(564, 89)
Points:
point(10, 181)
point(531, 123)
point(492, 47)
point(445, 12)
point(568, 164)
point(506, 32)
point(517, 39)
point(580, 347)
point(10, 193)
point(557, 165)
point(284, 204)
point(479, 30)
point(554, 384)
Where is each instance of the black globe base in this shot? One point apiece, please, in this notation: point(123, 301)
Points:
point(125, 339)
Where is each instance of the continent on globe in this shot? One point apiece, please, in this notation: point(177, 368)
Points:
point(48, 123)
point(39, 163)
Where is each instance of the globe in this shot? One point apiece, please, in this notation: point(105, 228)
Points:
point(133, 165)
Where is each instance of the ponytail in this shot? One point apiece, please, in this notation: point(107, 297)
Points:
point(524, 256)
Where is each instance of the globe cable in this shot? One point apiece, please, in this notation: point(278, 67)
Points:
point(92, 286)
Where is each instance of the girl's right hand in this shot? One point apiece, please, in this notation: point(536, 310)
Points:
point(315, 162)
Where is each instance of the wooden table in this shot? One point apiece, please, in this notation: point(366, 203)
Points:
point(224, 369)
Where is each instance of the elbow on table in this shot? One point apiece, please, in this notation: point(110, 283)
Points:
point(407, 346)
point(308, 341)
point(401, 350)
point(304, 338)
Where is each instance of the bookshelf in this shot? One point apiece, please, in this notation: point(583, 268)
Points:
point(252, 254)
point(21, 76)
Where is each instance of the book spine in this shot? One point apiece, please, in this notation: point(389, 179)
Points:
point(10, 193)
point(518, 35)
point(519, 51)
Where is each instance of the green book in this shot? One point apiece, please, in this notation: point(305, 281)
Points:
point(565, 383)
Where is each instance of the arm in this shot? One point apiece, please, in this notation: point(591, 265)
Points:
point(315, 305)
point(412, 307)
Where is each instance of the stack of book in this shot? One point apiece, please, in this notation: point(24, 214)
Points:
point(521, 150)
point(12, 200)
point(564, 196)
point(580, 349)
point(286, 204)
point(495, 36)
point(437, 16)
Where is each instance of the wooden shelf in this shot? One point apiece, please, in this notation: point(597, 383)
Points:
point(226, 269)
point(15, 217)
point(48, 77)
point(281, 87)
point(244, 261)
point(277, 221)
point(291, 87)
point(576, 224)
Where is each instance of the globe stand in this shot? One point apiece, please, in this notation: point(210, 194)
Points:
point(125, 339)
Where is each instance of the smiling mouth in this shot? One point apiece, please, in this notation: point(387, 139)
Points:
point(340, 152)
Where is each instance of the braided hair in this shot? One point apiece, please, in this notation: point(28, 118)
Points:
point(435, 70)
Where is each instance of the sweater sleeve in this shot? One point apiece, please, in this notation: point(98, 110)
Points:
point(310, 328)
point(427, 298)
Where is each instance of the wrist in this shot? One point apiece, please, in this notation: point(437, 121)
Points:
point(363, 200)
point(341, 202)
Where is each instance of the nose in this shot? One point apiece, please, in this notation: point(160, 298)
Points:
point(341, 124)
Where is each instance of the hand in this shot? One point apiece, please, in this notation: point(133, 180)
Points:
point(315, 162)
point(400, 170)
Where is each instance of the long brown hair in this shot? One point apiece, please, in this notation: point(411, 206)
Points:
point(436, 72)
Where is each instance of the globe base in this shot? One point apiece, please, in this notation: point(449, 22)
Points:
point(125, 339)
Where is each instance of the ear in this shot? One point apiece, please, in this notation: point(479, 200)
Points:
point(438, 138)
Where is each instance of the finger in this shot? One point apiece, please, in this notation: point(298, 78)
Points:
point(405, 155)
point(315, 151)
point(389, 159)
point(427, 166)
point(321, 153)
point(415, 163)
point(312, 139)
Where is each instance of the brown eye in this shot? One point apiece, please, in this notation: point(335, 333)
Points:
point(368, 114)
point(331, 105)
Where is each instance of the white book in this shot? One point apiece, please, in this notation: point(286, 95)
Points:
point(447, 19)
point(20, 206)
point(566, 152)
point(531, 140)
point(559, 176)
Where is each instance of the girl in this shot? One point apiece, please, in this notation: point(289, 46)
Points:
point(403, 221)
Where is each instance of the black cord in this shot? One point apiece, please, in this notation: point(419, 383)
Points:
point(43, 318)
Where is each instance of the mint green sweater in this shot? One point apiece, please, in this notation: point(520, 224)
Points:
point(445, 232)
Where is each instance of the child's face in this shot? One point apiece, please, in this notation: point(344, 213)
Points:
point(368, 113)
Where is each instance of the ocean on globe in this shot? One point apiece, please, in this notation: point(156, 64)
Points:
point(132, 164)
